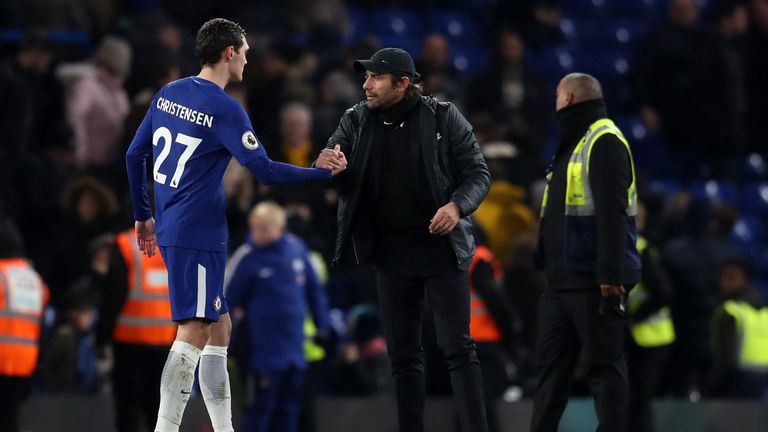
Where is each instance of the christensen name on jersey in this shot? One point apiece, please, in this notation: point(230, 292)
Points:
point(184, 113)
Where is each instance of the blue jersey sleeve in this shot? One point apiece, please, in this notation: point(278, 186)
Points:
point(242, 143)
point(238, 137)
point(136, 164)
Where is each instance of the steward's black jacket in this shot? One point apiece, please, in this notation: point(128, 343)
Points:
point(610, 175)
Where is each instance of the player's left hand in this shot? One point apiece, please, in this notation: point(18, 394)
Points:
point(146, 237)
point(445, 219)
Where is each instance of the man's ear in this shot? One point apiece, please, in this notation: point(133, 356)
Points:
point(403, 82)
point(229, 52)
point(569, 97)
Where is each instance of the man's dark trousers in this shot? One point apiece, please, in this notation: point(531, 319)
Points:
point(570, 321)
point(413, 268)
point(135, 376)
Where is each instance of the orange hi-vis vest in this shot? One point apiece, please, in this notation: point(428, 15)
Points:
point(146, 315)
point(482, 326)
point(23, 296)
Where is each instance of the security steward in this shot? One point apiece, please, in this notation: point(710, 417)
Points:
point(651, 333)
point(739, 336)
point(415, 174)
point(135, 322)
point(23, 296)
point(587, 248)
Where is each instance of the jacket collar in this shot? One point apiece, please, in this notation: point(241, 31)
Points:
point(573, 121)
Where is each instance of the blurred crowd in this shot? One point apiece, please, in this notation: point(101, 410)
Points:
point(76, 78)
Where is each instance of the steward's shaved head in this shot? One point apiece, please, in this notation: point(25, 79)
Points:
point(575, 88)
point(584, 87)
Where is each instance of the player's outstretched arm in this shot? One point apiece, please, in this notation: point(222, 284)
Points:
point(267, 171)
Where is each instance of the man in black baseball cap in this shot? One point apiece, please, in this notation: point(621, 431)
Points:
point(389, 61)
point(416, 174)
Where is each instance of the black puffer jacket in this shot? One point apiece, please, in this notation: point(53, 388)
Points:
point(455, 168)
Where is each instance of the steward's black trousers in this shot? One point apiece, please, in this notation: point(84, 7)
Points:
point(409, 268)
point(570, 321)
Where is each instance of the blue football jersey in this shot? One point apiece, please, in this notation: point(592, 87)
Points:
point(193, 128)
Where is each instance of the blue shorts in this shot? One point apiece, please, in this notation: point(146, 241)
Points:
point(195, 282)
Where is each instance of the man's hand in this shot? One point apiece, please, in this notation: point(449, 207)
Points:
point(332, 159)
point(445, 219)
point(145, 236)
point(611, 290)
point(612, 300)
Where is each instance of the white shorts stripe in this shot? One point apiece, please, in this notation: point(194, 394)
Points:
point(201, 297)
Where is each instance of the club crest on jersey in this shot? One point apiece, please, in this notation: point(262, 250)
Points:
point(217, 303)
point(249, 141)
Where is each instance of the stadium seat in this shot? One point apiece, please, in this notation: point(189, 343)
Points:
point(634, 7)
point(759, 260)
point(398, 22)
point(410, 44)
point(761, 283)
point(584, 7)
point(609, 32)
point(753, 197)
point(755, 167)
point(632, 127)
point(571, 31)
point(359, 25)
point(666, 187)
point(605, 65)
point(748, 238)
point(469, 60)
point(70, 45)
point(748, 228)
point(714, 190)
point(456, 26)
point(655, 161)
point(552, 62)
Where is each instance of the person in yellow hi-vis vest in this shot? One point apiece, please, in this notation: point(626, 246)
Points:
point(314, 352)
point(651, 332)
point(740, 337)
point(135, 322)
point(588, 253)
point(23, 295)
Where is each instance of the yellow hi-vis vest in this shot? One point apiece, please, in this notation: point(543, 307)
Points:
point(578, 193)
point(580, 224)
point(752, 331)
point(657, 329)
point(312, 351)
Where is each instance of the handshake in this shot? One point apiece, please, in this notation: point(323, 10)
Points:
point(332, 159)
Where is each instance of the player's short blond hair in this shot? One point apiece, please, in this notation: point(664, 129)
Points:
point(269, 211)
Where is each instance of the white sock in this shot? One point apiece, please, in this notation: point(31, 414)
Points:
point(176, 385)
point(214, 385)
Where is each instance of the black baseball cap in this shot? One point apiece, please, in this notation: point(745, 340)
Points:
point(389, 60)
